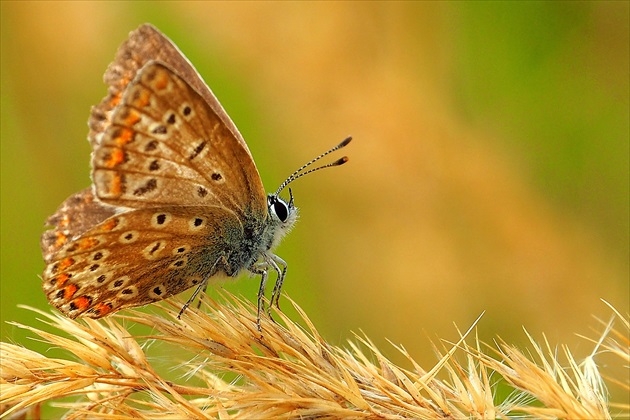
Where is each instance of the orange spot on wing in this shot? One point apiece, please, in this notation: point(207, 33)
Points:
point(61, 239)
point(103, 309)
point(109, 225)
point(82, 302)
point(143, 99)
point(65, 263)
point(69, 291)
point(61, 279)
point(131, 118)
point(124, 137)
point(87, 243)
point(117, 156)
point(115, 187)
point(161, 81)
point(115, 99)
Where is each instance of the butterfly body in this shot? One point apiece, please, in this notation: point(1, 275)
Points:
point(176, 199)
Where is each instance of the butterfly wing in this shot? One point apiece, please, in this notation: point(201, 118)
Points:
point(146, 44)
point(138, 257)
point(76, 215)
point(165, 146)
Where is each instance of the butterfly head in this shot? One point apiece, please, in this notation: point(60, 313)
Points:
point(281, 210)
point(283, 214)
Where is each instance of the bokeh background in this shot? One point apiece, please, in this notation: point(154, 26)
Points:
point(489, 171)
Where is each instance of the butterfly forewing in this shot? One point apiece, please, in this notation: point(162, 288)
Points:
point(138, 257)
point(143, 45)
point(166, 146)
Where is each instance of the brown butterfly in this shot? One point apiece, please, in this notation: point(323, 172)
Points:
point(176, 198)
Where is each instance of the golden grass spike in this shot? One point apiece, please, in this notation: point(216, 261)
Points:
point(215, 363)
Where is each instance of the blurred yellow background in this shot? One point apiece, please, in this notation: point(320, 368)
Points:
point(489, 171)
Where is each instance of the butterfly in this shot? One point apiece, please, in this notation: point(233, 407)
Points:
point(176, 199)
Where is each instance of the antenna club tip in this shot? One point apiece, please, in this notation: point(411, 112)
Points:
point(345, 142)
point(341, 161)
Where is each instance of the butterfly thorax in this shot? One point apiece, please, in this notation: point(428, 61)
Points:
point(253, 242)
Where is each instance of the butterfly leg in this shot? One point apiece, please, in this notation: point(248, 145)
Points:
point(202, 295)
point(202, 286)
point(261, 290)
point(276, 262)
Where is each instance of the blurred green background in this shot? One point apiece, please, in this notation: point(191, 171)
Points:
point(489, 172)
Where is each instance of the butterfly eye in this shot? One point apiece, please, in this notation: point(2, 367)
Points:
point(280, 209)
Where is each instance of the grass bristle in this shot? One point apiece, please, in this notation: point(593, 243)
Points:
point(225, 368)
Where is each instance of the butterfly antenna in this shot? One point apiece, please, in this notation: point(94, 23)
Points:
point(298, 174)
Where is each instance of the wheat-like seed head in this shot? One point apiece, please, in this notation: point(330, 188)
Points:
point(223, 367)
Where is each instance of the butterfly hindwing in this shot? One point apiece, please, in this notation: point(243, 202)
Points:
point(138, 257)
point(77, 214)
